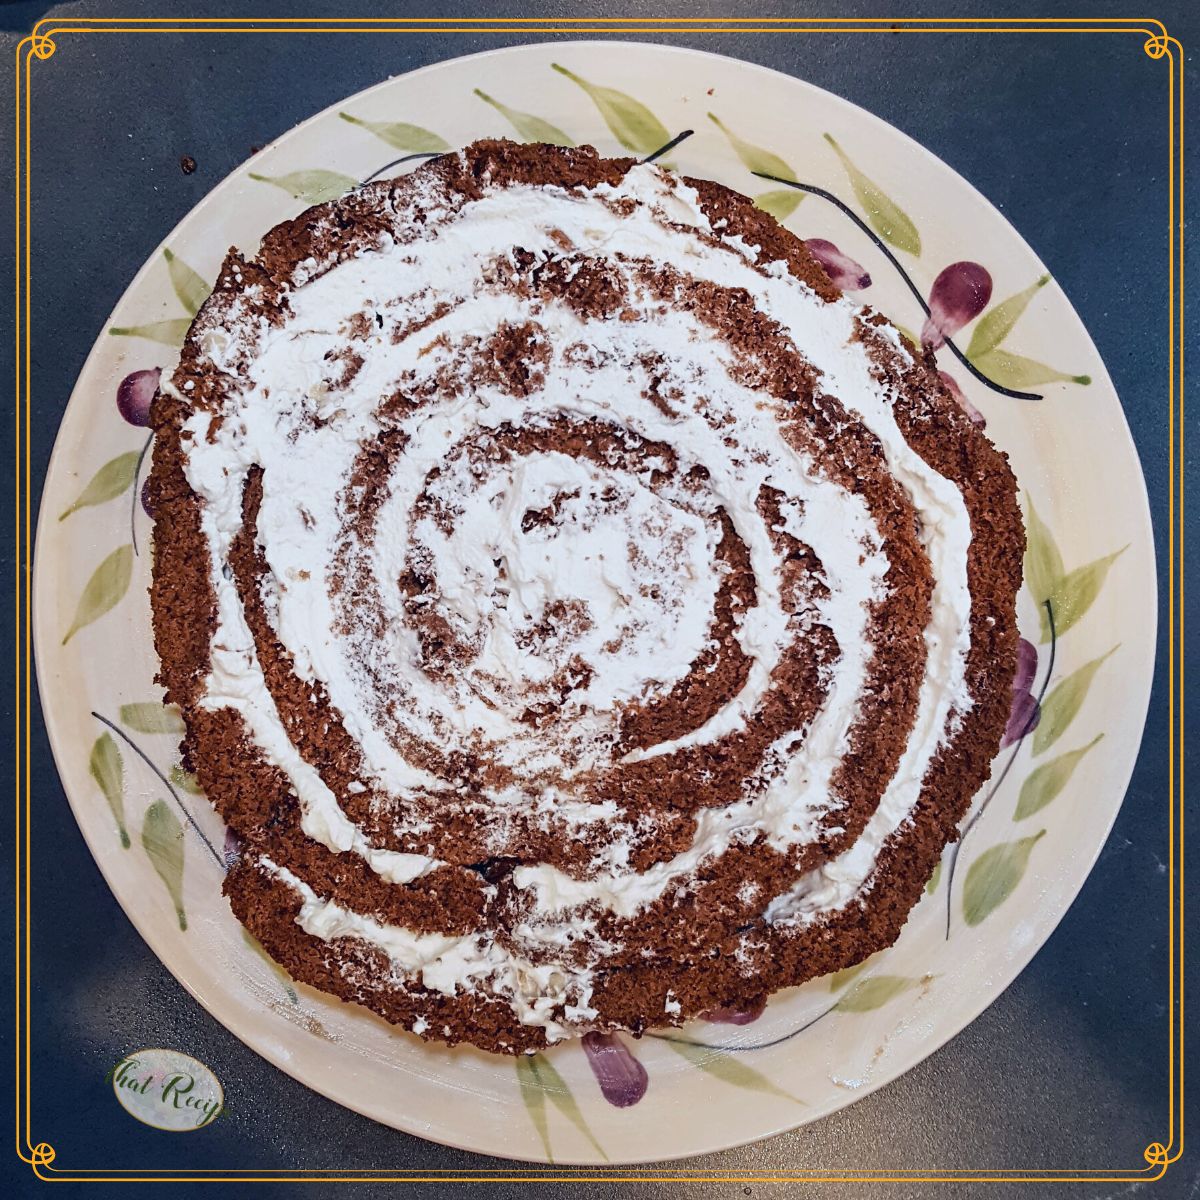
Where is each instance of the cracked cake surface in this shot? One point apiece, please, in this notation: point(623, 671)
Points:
point(584, 616)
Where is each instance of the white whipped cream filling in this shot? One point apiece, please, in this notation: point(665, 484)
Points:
point(448, 964)
point(301, 518)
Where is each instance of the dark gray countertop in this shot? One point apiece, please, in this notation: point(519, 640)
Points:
point(1067, 135)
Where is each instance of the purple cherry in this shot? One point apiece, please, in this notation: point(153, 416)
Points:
point(1023, 718)
point(841, 269)
point(735, 1016)
point(977, 418)
point(622, 1079)
point(134, 394)
point(1024, 713)
point(232, 850)
point(1026, 665)
point(148, 499)
point(959, 294)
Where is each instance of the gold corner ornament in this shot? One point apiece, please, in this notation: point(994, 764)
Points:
point(43, 47)
point(1156, 46)
point(43, 1155)
point(1156, 1155)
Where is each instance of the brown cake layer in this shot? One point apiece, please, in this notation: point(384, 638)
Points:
point(706, 940)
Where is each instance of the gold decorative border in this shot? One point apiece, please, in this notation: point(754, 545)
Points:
point(1158, 44)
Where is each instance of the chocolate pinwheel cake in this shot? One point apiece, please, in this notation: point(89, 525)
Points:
point(584, 616)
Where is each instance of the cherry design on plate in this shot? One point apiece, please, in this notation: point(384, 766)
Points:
point(959, 294)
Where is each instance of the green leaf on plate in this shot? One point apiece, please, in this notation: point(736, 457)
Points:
point(152, 717)
point(534, 1096)
point(531, 128)
point(313, 187)
point(185, 781)
point(170, 333)
point(189, 286)
point(1074, 593)
point(108, 771)
point(109, 582)
point(1070, 594)
point(284, 978)
point(875, 992)
point(996, 324)
point(934, 880)
point(1063, 703)
point(162, 839)
point(115, 477)
point(755, 158)
point(560, 1096)
point(780, 204)
point(1043, 562)
point(1045, 782)
point(1013, 371)
point(631, 122)
point(887, 218)
point(994, 876)
point(540, 1081)
point(908, 333)
point(727, 1068)
point(400, 134)
point(839, 979)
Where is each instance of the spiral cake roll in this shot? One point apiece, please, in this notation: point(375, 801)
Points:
point(584, 616)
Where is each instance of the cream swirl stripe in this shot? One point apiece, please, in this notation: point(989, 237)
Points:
point(660, 229)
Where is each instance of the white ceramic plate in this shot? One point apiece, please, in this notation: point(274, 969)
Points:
point(1055, 792)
